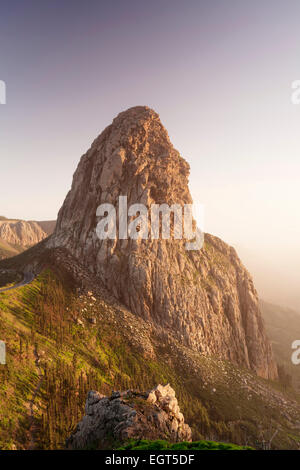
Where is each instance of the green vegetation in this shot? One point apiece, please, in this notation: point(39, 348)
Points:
point(56, 354)
point(196, 445)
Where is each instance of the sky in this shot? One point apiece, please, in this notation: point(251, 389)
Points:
point(218, 72)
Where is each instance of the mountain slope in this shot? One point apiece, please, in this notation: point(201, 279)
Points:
point(18, 235)
point(283, 328)
point(7, 249)
point(63, 340)
point(48, 226)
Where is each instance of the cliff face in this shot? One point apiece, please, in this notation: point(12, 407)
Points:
point(205, 298)
point(18, 235)
point(21, 233)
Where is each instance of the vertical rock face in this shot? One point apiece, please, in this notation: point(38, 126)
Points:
point(205, 298)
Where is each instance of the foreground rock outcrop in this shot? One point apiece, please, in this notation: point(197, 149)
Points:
point(130, 415)
point(205, 298)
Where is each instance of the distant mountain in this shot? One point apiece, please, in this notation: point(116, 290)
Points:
point(18, 235)
point(283, 327)
point(48, 226)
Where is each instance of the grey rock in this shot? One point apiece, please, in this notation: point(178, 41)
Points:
point(110, 420)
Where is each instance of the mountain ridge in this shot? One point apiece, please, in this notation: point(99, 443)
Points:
point(17, 235)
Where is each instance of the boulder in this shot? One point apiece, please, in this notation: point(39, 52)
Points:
point(110, 421)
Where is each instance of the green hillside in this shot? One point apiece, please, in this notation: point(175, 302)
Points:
point(62, 343)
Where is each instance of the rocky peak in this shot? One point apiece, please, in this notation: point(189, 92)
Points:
point(133, 157)
point(130, 415)
point(206, 298)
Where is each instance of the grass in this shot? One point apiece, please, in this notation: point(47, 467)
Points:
point(76, 357)
point(145, 444)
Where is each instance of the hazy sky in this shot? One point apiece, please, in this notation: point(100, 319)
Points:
point(218, 72)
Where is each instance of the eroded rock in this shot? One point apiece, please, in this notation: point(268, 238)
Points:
point(112, 420)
